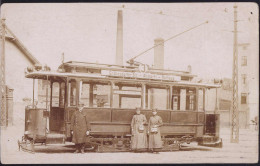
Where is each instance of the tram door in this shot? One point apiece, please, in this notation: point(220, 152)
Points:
point(212, 124)
point(176, 99)
point(57, 107)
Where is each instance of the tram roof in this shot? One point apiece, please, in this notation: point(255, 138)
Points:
point(54, 74)
point(100, 66)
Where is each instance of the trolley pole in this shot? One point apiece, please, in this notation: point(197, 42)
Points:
point(2, 77)
point(234, 109)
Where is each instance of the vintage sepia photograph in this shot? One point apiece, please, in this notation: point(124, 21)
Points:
point(124, 83)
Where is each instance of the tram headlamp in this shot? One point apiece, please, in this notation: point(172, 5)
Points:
point(29, 69)
point(60, 70)
point(46, 68)
point(38, 67)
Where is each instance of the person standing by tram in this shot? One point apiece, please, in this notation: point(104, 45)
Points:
point(155, 141)
point(80, 128)
point(139, 136)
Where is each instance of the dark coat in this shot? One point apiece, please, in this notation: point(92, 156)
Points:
point(79, 125)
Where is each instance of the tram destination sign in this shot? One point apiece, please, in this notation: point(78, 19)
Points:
point(139, 75)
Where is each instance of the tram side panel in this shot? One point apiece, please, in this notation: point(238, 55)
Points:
point(35, 123)
point(116, 122)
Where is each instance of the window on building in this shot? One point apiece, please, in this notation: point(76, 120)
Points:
point(244, 61)
point(244, 78)
point(243, 98)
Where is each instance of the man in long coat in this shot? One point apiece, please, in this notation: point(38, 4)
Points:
point(155, 141)
point(80, 128)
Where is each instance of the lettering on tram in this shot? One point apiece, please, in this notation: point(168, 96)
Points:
point(111, 95)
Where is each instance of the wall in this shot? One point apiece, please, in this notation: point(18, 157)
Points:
point(15, 63)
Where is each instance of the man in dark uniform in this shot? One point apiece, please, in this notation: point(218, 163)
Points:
point(80, 128)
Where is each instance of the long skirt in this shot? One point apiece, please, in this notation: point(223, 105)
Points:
point(155, 141)
point(139, 141)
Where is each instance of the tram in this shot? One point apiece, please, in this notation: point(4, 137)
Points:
point(111, 93)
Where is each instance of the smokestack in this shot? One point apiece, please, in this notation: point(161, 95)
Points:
point(189, 69)
point(159, 53)
point(119, 39)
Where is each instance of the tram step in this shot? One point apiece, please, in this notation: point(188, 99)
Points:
point(54, 138)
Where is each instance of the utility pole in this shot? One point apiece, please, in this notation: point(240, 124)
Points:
point(234, 109)
point(2, 77)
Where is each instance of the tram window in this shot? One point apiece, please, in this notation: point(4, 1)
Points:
point(190, 99)
point(42, 91)
point(157, 98)
point(176, 99)
point(175, 102)
point(62, 94)
point(101, 95)
point(182, 99)
point(84, 93)
point(200, 100)
point(130, 102)
point(72, 93)
point(55, 94)
point(127, 97)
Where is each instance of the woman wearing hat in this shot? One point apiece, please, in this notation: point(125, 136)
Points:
point(155, 142)
point(139, 137)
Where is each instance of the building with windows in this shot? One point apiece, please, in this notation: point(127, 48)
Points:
point(247, 85)
point(243, 86)
point(247, 91)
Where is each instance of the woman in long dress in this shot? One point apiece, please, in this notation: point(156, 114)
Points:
point(155, 141)
point(139, 136)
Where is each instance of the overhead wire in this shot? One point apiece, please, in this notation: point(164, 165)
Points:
point(130, 61)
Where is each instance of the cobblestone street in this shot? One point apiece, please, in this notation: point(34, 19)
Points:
point(246, 151)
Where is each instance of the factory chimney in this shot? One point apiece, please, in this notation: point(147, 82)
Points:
point(119, 38)
point(159, 53)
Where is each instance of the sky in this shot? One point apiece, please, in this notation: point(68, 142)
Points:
point(87, 32)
